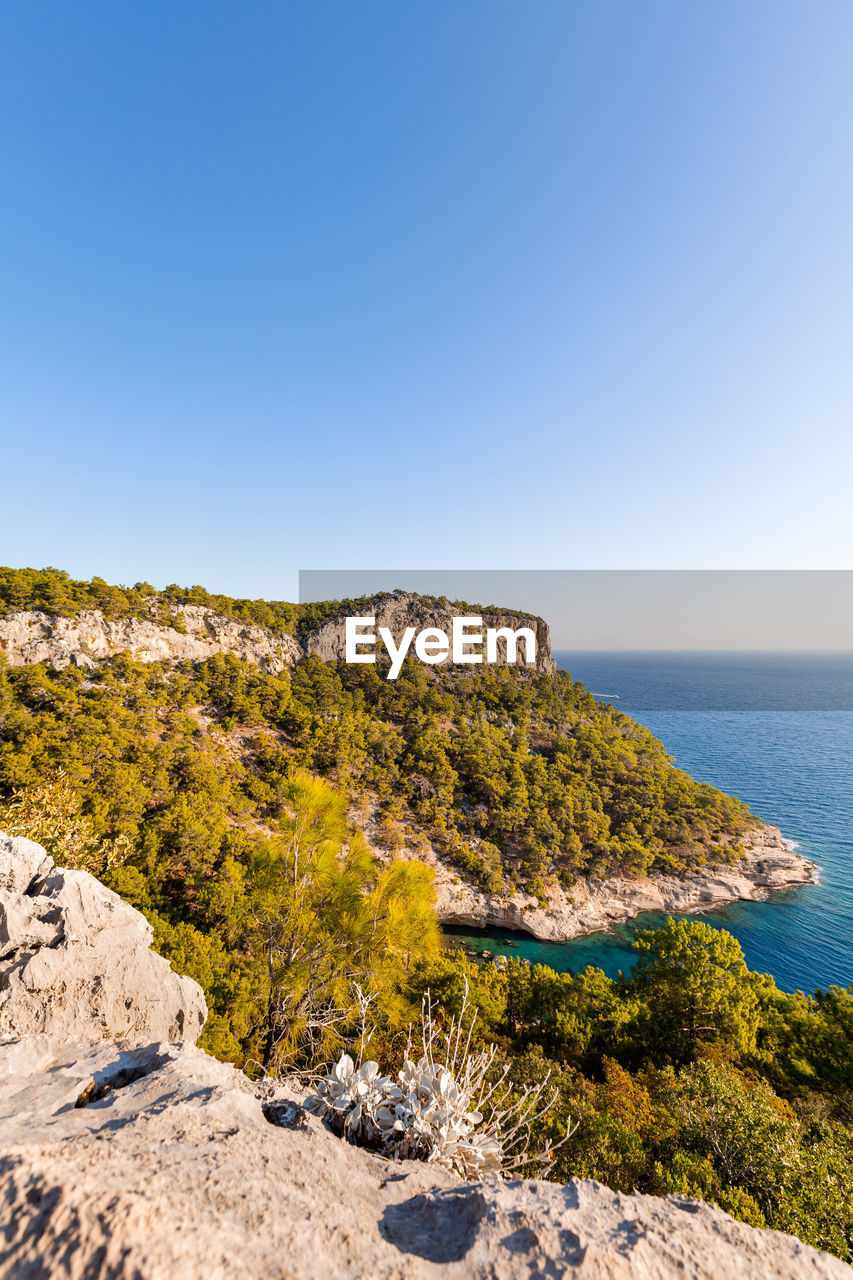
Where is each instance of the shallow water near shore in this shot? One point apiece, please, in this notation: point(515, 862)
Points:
point(748, 725)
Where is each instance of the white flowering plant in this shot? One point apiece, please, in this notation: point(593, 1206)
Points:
point(435, 1108)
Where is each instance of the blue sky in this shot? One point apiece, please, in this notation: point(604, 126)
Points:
point(541, 285)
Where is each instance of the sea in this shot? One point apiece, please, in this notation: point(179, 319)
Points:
point(775, 729)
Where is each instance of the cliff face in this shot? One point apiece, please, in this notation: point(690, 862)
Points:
point(40, 637)
point(146, 1160)
point(399, 609)
point(30, 636)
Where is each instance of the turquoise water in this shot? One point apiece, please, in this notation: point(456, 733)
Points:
point(794, 767)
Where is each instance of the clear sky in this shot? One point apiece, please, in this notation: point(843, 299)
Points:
point(315, 284)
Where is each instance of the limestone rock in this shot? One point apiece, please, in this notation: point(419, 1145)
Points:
point(32, 636)
point(158, 1163)
point(397, 610)
point(21, 863)
point(75, 959)
point(594, 906)
point(148, 1160)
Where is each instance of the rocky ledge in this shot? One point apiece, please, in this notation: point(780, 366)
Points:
point(140, 1159)
point(594, 906)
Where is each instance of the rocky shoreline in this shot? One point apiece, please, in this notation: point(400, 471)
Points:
point(595, 906)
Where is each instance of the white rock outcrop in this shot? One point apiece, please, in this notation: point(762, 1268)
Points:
point(31, 636)
point(34, 636)
point(75, 959)
point(159, 1163)
point(147, 1160)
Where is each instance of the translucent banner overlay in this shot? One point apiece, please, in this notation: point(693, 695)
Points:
point(721, 640)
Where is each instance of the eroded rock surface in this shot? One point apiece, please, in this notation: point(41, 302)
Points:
point(199, 632)
point(400, 609)
point(75, 959)
point(32, 636)
point(160, 1164)
point(149, 1160)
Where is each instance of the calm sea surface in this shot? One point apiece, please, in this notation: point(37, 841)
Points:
point(775, 730)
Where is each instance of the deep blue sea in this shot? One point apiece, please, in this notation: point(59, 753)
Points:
point(775, 730)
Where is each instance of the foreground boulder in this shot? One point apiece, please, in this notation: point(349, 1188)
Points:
point(161, 1163)
point(149, 1160)
point(76, 960)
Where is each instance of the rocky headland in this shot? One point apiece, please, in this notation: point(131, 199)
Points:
point(594, 906)
point(398, 610)
point(126, 1152)
point(591, 906)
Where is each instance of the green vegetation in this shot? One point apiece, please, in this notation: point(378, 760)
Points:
point(337, 929)
point(51, 813)
point(53, 591)
point(294, 945)
point(175, 782)
point(519, 778)
point(225, 803)
point(691, 1076)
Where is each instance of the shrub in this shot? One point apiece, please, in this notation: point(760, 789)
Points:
point(436, 1110)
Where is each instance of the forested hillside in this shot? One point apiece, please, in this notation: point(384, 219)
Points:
point(225, 802)
point(514, 778)
point(692, 1076)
